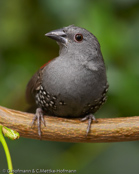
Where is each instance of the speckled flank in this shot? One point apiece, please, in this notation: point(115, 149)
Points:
point(46, 100)
point(100, 101)
point(49, 102)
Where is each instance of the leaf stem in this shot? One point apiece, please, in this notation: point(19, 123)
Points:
point(7, 153)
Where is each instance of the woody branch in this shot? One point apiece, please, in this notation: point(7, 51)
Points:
point(72, 130)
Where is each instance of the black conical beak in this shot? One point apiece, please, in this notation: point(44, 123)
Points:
point(58, 35)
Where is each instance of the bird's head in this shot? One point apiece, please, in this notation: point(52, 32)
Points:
point(74, 39)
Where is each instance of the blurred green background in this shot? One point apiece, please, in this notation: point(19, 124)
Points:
point(24, 48)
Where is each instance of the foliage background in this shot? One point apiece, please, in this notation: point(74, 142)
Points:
point(23, 49)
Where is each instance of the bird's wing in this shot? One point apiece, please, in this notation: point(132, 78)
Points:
point(34, 85)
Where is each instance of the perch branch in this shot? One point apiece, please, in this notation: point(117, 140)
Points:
point(72, 130)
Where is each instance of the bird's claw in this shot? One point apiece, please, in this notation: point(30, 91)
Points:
point(40, 118)
point(90, 118)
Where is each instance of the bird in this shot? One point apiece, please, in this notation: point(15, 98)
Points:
point(72, 85)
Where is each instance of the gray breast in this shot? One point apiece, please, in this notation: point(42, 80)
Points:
point(71, 90)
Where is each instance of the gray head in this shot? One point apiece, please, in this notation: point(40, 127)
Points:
point(76, 40)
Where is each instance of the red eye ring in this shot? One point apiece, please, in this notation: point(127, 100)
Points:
point(78, 37)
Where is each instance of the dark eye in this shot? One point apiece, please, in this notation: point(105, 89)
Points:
point(78, 37)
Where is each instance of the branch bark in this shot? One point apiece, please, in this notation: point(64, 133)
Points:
point(72, 130)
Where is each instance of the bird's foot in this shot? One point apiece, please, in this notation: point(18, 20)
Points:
point(90, 118)
point(39, 116)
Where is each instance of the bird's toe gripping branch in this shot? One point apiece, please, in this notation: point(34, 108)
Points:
point(39, 116)
point(90, 118)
